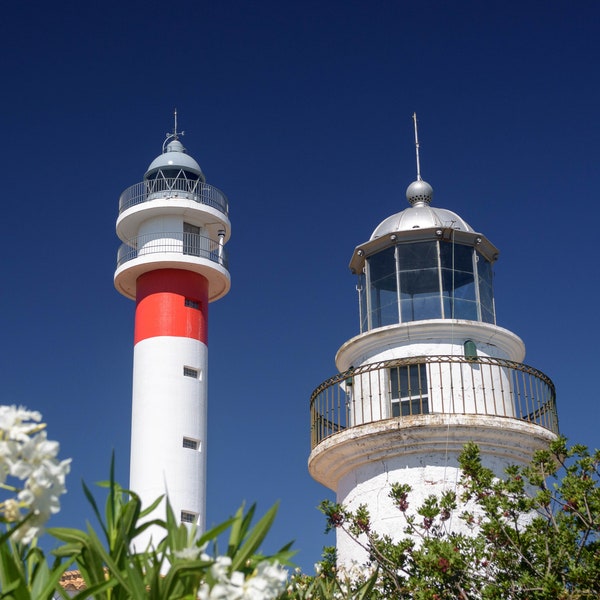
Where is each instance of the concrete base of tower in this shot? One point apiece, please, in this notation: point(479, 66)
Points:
point(361, 463)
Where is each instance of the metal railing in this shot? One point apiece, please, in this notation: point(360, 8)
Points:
point(402, 388)
point(175, 188)
point(181, 243)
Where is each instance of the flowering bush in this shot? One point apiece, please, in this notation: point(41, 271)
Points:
point(265, 583)
point(554, 554)
point(32, 479)
point(26, 455)
point(181, 566)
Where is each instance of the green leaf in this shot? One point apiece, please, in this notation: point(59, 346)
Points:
point(146, 511)
point(94, 505)
point(96, 590)
point(254, 539)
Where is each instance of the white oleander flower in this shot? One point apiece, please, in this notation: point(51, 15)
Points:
point(15, 425)
point(188, 553)
point(269, 576)
point(35, 453)
point(193, 553)
point(219, 570)
point(11, 510)
point(27, 455)
point(266, 582)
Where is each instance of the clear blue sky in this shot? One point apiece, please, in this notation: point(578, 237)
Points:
point(301, 114)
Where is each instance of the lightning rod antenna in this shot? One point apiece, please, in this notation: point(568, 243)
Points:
point(417, 147)
point(174, 135)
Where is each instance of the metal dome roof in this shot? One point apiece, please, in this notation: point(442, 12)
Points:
point(420, 215)
point(173, 157)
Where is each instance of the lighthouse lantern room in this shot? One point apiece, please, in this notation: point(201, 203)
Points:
point(429, 371)
point(173, 263)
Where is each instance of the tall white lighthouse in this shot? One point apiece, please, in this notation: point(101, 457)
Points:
point(172, 262)
point(429, 371)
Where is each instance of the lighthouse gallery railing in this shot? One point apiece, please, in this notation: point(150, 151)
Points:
point(175, 188)
point(181, 243)
point(402, 388)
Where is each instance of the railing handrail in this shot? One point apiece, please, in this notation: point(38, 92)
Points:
point(513, 390)
point(177, 242)
point(174, 187)
point(434, 358)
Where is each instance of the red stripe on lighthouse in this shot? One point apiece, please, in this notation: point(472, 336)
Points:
point(161, 307)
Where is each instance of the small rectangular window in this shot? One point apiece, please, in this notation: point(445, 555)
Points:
point(192, 303)
point(188, 517)
point(190, 443)
point(189, 372)
point(409, 392)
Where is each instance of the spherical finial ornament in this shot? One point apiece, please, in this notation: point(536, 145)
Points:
point(419, 193)
point(175, 146)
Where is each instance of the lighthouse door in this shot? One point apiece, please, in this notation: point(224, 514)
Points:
point(191, 239)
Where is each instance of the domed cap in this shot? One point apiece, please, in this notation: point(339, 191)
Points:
point(174, 157)
point(421, 216)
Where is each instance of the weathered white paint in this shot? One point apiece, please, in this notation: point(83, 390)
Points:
point(361, 463)
point(425, 338)
point(462, 388)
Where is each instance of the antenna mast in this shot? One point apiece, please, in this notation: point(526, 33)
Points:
point(175, 134)
point(417, 147)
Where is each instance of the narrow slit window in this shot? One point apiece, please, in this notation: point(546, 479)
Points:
point(190, 372)
point(192, 303)
point(188, 517)
point(191, 443)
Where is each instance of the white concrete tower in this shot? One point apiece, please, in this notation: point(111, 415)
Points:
point(429, 371)
point(172, 262)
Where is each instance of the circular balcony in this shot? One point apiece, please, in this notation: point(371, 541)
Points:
point(405, 388)
point(176, 187)
point(175, 250)
point(194, 202)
